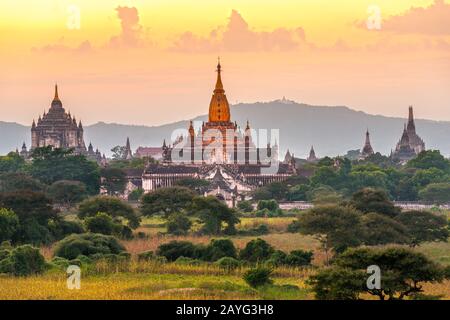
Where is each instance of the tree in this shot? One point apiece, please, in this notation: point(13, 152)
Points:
point(23, 261)
point(370, 200)
point(113, 180)
point(256, 250)
point(219, 248)
point(178, 223)
point(430, 159)
point(53, 164)
point(12, 162)
point(402, 272)
point(274, 190)
point(67, 193)
point(336, 227)
point(166, 201)
point(323, 195)
point(245, 206)
point(258, 277)
point(114, 207)
point(213, 213)
point(29, 205)
point(100, 223)
point(175, 249)
point(423, 226)
point(436, 193)
point(380, 229)
point(9, 223)
point(15, 181)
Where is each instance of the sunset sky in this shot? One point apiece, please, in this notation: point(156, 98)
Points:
point(152, 61)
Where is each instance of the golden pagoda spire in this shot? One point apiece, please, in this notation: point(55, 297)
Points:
point(56, 92)
point(219, 109)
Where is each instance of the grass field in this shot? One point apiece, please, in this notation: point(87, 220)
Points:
point(146, 280)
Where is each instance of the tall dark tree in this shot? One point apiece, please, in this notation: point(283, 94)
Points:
point(15, 181)
point(67, 193)
point(166, 201)
point(372, 200)
point(50, 165)
point(112, 206)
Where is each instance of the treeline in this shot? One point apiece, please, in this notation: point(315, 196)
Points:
point(425, 178)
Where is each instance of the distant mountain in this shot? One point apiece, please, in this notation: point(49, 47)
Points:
point(332, 130)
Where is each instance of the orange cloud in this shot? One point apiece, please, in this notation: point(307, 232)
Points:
point(238, 36)
point(132, 31)
point(432, 20)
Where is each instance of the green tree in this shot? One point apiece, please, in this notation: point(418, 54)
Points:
point(214, 214)
point(178, 223)
point(12, 162)
point(380, 229)
point(16, 181)
point(336, 227)
point(166, 201)
point(370, 200)
point(430, 159)
point(424, 226)
point(274, 190)
point(403, 272)
point(50, 165)
point(100, 223)
point(256, 250)
point(9, 223)
point(113, 180)
point(112, 206)
point(436, 193)
point(67, 193)
point(245, 206)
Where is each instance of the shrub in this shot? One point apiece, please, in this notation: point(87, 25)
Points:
point(219, 248)
point(245, 206)
point(256, 250)
point(175, 249)
point(100, 223)
point(278, 258)
point(299, 258)
point(178, 224)
point(293, 227)
point(228, 263)
point(146, 256)
point(258, 277)
point(262, 229)
point(23, 261)
point(61, 228)
point(9, 223)
point(87, 244)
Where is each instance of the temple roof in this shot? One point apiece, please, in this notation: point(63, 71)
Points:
point(219, 109)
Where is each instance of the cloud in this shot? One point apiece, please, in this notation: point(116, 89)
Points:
point(238, 36)
point(132, 32)
point(60, 46)
point(432, 20)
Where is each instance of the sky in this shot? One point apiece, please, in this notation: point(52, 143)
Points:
point(149, 62)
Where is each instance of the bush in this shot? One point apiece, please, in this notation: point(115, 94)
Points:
point(258, 277)
point(245, 206)
point(228, 263)
point(100, 223)
point(262, 229)
point(256, 250)
point(278, 258)
point(87, 244)
point(146, 256)
point(178, 224)
point(175, 249)
point(23, 261)
point(61, 228)
point(293, 227)
point(219, 248)
point(9, 223)
point(299, 258)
